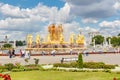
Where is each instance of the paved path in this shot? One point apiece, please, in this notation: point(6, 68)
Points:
point(107, 58)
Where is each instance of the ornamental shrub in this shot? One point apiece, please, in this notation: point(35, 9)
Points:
point(98, 65)
point(80, 61)
point(61, 65)
point(36, 61)
point(9, 66)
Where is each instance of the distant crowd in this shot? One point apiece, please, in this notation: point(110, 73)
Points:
point(23, 53)
point(26, 53)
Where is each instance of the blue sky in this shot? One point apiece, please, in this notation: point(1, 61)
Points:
point(33, 3)
point(21, 17)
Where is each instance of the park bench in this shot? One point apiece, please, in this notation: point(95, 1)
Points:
point(69, 59)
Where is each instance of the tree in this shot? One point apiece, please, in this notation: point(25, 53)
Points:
point(19, 43)
point(115, 41)
point(119, 34)
point(7, 46)
point(107, 39)
point(99, 39)
point(80, 61)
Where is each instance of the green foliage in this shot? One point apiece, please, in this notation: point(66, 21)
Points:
point(99, 39)
point(118, 78)
point(70, 65)
point(18, 66)
point(61, 65)
point(17, 70)
point(30, 65)
point(26, 60)
point(19, 43)
point(107, 70)
point(36, 61)
point(9, 66)
point(115, 41)
point(31, 68)
point(108, 39)
point(1, 66)
point(92, 65)
point(7, 45)
point(119, 34)
point(80, 61)
point(98, 65)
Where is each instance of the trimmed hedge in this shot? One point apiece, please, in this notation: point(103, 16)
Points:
point(70, 65)
point(9, 66)
point(98, 65)
point(92, 65)
point(17, 70)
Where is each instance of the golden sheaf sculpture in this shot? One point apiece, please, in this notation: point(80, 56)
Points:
point(80, 39)
point(29, 40)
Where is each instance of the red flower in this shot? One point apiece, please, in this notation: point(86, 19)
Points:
point(1, 75)
point(6, 77)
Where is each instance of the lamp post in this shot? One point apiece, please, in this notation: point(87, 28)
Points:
point(109, 42)
point(80, 31)
point(14, 43)
point(94, 43)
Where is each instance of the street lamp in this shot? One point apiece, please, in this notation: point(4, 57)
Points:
point(80, 30)
point(94, 43)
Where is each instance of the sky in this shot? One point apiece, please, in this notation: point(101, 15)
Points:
point(21, 17)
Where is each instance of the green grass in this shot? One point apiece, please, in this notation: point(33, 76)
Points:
point(60, 75)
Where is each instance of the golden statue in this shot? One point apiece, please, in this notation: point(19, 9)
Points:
point(71, 38)
point(59, 31)
point(29, 40)
point(61, 39)
point(48, 38)
point(51, 30)
point(37, 39)
point(80, 39)
point(55, 32)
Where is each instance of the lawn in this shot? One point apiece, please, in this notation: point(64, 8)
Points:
point(61, 75)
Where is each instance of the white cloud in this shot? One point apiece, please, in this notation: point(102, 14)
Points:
point(89, 20)
point(70, 28)
point(92, 8)
point(26, 20)
point(110, 27)
point(17, 22)
point(115, 23)
point(89, 29)
point(117, 5)
point(9, 10)
point(63, 14)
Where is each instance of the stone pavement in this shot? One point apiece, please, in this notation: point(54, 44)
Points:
point(106, 58)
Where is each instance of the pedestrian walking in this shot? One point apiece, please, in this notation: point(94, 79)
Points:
point(71, 51)
point(20, 53)
point(13, 52)
point(10, 53)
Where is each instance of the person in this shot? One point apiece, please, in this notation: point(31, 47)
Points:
point(13, 52)
point(20, 53)
point(43, 52)
point(71, 51)
point(53, 52)
point(10, 53)
point(85, 53)
point(23, 53)
point(27, 54)
point(78, 52)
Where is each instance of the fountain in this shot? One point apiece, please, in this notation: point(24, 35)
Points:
point(55, 40)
